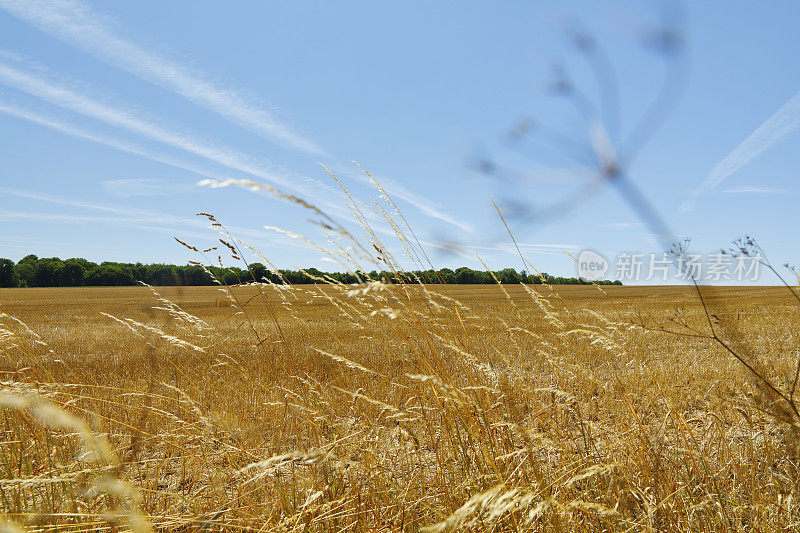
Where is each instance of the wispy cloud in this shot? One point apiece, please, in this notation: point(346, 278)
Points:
point(470, 251)
point(66, 97)
point(127, 188)
point(66, 128)
point(623, 225)
point(56, 124)
point(26, 243)
point(22, 75)
point(431, 209)
point(397, 190)
point(305, 186)
point(779, 125)
point(111, 212)
point(532, 248)
point(128, 216)
point(755, 190)
point(33, 80)
point(75, 23)
point(155, 225)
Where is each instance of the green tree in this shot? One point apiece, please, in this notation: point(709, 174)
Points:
point(446, 276)
point(109, 275)
point(161, 275)
point(70, 273)
point(234, 276)
point(194, 275)
point(258, 272)
point(24, 269)
point(508, 275)
point(45, 272)
point(8, 274)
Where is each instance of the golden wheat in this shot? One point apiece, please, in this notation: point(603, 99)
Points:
point(394, 407)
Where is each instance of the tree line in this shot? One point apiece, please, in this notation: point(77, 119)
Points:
point(32, 271)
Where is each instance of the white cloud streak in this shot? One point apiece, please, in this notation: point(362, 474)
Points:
point(127, 187)
point(471, 251)
point(124, 215)
point(623, 225)
point(426, 206)
point(396, 190)
point(81, 133)
point(233, 162)
point(125, 146)
point(76, 24)
point(31, 81)
point(755, 190)
point(65, 97)
point(20, 112)
point(29, 217)
point(784, 121)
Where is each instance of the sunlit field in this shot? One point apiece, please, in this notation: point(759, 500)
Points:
point(334, 267)
point(397, 407)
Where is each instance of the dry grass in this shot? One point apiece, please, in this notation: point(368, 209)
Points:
point(392, 407)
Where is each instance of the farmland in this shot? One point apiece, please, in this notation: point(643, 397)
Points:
point(397, 407)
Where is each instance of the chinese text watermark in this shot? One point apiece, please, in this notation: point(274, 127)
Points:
point(717, 267)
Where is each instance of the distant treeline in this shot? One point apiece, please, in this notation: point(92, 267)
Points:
point(32, 271)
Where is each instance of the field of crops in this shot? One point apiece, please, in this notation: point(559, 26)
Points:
point(399, 407)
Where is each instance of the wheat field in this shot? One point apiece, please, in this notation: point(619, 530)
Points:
point(396, 407)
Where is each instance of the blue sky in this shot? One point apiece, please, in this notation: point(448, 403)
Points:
point(111, 113)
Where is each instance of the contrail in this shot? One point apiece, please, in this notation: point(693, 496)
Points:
point(126, 146)
point(396, 190)
point(155, 224)
point(756, 190)
point(779, 125)
point(33, 82)
point(76, 24)
point(122, 215)
point(63, 96)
